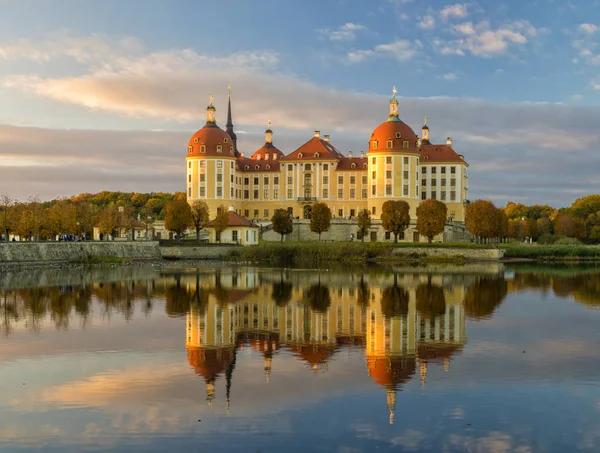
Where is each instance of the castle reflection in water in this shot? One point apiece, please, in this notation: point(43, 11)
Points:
point(405, 323)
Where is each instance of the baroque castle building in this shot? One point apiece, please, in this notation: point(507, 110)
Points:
point(398, 165)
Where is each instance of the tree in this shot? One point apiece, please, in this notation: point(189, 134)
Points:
point(282, 222)
point(200, 216)
point(570, 226)
point(481, 219)
point(394, 300)
point(544, 226)
point(431, 218)
point(221, 221)
point(6, 220)
point(484, 295)
point(395, 217)
point(320, 218)
point(501, 224)
point(431, 301)
point(583, 207)
point(318, 296)
point(364, 223)
point(518, 229)
point(282, 292)
point(179, 217)
point(516, 210)
point(108, 219)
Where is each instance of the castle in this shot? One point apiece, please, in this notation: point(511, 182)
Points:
point(397, 165)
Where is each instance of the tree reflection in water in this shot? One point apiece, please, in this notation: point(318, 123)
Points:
point(484, 295)
point(431, 301)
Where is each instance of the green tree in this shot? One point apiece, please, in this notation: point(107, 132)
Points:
point(395, 217)
point(179, 217)
point(320, 218)
point(282, 222)
point(364, 223)
point(583, 207)
point(200, 216)
point(221, 222)
point(431, 218)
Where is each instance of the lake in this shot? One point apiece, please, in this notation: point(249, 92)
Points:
point(440, 358)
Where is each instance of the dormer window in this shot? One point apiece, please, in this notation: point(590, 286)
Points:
point(268, 167)
point(365, 165)
point(300, 155)
point(225, 140)
point(219, 149)
point(390, 144)
point(196, 140)
point(405, 144)
point(317, 155)
point(375, 144)
point(274, 156)
point(257, 167)
point(190, 149)
point(246, 167)
point(203, 148)
point(398, 135)
point(353, 165)
point(231, 150)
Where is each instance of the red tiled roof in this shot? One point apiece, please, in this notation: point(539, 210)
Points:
point(309, 150)
point(234, 219)
point(267, 150)
point(439, 154)
point(245, 164)
point(210, 136)
point(396, 131)
point(345, 164)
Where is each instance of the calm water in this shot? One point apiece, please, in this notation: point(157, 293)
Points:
point(475, 358)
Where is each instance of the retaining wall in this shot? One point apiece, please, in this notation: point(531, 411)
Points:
point(195, 253)
point(451, 253)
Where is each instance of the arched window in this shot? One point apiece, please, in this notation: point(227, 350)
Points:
point(196, 140)
point(317, 155)
point(219, 148)
point(353, 165)
point(268, 167)
point(257, 167)
point(190, 149)
point(203, 149)
point(231, 150)
point(246, 167)
point(365, 165)
point(300, 155)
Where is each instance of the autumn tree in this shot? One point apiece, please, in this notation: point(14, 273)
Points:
point(282, 222)
point(394, 300)
point(583, 207)
point(282, 292)
point(320, 218)
point(318, 297)
point(31, 218)
point(516, 210)
point(518, 229)
point(364, 223)
point(484, 295)
point(431, 301)
point(431, 218)
point(221, 222)
point(395, 217)
point(200, 216)
point(481, 219)
point(544, 226)
point(570, 226)
point(501, 224)
point(179, 217)
point(6, 214)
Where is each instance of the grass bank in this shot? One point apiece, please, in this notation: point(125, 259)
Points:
point(303, 253)
point(554, 252)
point(102, 260)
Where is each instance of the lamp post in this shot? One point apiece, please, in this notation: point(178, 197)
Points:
point(77, 232)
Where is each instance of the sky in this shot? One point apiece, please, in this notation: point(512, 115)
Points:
point(105, 95)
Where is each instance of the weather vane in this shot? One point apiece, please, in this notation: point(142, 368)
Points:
point(269, 124)
point(394, 91)
point(211, 98)
point(229, 88)
point(425, 121)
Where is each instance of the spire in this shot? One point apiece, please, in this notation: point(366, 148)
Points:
point(393, 106)
point(267, 361)
point(210, 112)
point(268, 134)
point(391, 403)
point(229, 125)
point(423, 372)
point(425, 133)
point(210, 390)
point(228, 376)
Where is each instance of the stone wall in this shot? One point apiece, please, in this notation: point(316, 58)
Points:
point(340, 230)
point(447, 252)
point(195, 253)
point(61, 252)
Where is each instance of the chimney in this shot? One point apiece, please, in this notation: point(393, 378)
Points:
point(326, 138)
point(317, 134)
point(274, 156)
point(362, 154)
point(258, 157)
point(242, 154)
point(449, 142)
point(350, 154)
point(418, 142)
point(266, 156)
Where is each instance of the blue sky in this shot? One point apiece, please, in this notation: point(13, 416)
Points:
point(104, 95)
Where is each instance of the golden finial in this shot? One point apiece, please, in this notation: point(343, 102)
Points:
point(211, 98)
point(394, 91)
point(269, 124)
point(425, 120)
point(229, 88)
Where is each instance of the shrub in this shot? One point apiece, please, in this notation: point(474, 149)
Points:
point(568, 241)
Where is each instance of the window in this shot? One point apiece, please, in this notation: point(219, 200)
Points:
point(424, 170)
point(443, 170)
point(202, 191)
point(423, 182)
point(246, 194)
point(255, 213)
point(290, 167)
point(405, 174)
point(423, 195)
point(266, 180)
point(256, 194)
point(353, 179)
point(325, 180)
point(341, 194)
point(373, 190)
point(388, 189)
point(405, 144)
point(203, 148)
point(452, 195)
point(219, 177)
point(325, 167)
point(388, 160)
point(219, 191)
point(443, 196)
point(256, 180)
point(388, 174)
point(364, 193)
point(388, 235)
point(202, 177)
point(434, 182)
point(266, 213)
point(340, 179)
point(374, 161)
point(290, 193)
point(266, 193)
point(405, 190)
point(352, 212)
point(231, 192)
point(307, 179)
point(246, 181)
point(189, 178)
point(219, 148)
point(375, 144)
point(364, 180)
point(374, 175)
point(300, 155)
point(290, 181)
point(306, 167)
point(453, 170)
point(189, 165)
point(276, 180)
point(340, 213)
point(433, 195)
point(352, 194)
point(444, 182)
point(219, 164)
point(231, 179)
point(190, 192)
point(405, 160)
point(190, 149)
point(390, 144)
point(453, 182)
point(433, 170)
point(325, 193)
point(246, 213)
point(374, 210)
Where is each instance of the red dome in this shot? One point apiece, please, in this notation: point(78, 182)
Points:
point(210, 136)
point(391, 371)
point(396, 131)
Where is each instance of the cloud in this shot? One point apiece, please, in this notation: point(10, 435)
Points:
point(458, 10)
point(400, 50)
point(482, 40)
point(588, 28)
point(346, 32)
point(427, 23)
point(451, 76)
